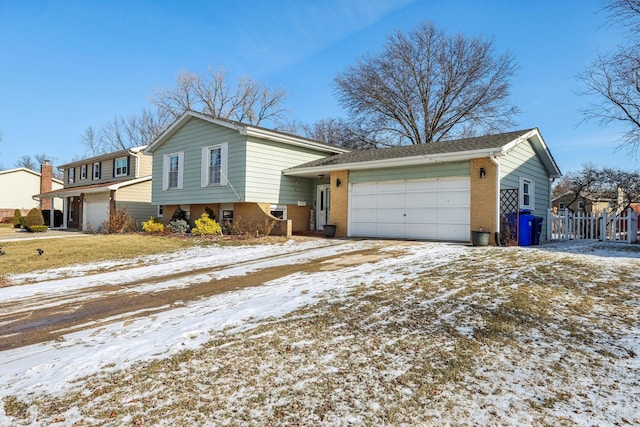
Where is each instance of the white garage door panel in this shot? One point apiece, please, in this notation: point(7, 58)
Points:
point(364, 215)
point(96, 211)
point(421, 200)
point(435, 209)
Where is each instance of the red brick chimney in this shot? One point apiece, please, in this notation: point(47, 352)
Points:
point(46, 183)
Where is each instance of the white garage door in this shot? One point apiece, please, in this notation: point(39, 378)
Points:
point(434, 209)
point(95, 211)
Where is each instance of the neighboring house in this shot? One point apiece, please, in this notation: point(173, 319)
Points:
point(20, 185)
point(438, 191)
point(235, 170)
point(584, 203)
point(95, 187)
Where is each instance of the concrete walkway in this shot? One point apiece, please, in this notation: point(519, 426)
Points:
point(50, 234)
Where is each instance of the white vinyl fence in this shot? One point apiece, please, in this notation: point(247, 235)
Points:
point(566, 225)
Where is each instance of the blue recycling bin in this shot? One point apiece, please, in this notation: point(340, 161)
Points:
point(525, 225)
point(537, 230)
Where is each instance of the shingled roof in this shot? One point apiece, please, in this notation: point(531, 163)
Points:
point(454, 146)
point(444, 151)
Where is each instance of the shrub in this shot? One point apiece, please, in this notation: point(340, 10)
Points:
point(250, 229)
point(16, 218)
point(179, 215)
point(33, 218)
point(210, 212)
point(153, 225)
point(179, 226)
point(38, 228)
point(119, 222)
point(205, 226)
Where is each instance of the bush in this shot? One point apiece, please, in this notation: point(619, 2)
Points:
point(179, 226)
point(205, 226)
point(179, 215)
point(250, 229)
point(38, 228)
point(32, 219)
point(16, 218)
point(153, 225)
point(119, 222)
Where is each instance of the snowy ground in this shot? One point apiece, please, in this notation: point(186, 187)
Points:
point(422, 334)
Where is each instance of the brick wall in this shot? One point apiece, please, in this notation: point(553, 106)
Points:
point(339, 206)
point(46, 183)
point(483, 196)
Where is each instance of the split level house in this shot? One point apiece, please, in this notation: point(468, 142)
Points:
point(96, 187)
point(437, 191)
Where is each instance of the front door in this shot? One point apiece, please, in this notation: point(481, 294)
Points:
point(322, 206)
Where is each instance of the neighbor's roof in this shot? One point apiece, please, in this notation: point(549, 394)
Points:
point(442, 151)
point(112, 155)
point(243, 129)
point(92, 188)
point(27, 170)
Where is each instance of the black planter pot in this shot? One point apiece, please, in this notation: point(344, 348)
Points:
point(329, 230)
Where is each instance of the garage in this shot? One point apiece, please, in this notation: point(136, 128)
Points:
point(431, 209)
point(96, 210)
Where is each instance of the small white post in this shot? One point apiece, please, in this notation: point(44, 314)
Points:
point(603, 226)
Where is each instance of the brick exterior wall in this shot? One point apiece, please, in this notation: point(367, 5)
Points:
point(46, 183)
point(483, 197)
point(339, 214)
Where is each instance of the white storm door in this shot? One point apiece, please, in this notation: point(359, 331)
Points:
point(322, 206)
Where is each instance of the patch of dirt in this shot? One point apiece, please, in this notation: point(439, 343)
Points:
point(26, 327)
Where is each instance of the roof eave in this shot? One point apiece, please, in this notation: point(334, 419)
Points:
point(396, 162)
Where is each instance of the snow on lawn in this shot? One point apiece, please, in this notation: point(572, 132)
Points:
point(431, 334)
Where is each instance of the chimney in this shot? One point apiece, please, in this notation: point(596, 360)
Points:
point(46, 183)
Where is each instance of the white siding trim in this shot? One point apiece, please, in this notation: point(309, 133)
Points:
point(165, 170)
point(532, 193)
point(204, 164)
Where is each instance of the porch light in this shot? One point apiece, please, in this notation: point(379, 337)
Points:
point(338, 182)
point(482, 173)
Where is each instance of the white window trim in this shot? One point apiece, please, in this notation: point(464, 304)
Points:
point(532, 193)
point(165, 170)
point(160, 211)
point(126, 167)
point(204, 168)
point(282, 208)
point(83, 171)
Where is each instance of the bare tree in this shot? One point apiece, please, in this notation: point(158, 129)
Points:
point(621, 188)
point(426, 86)
point(339, 132)
point(614, 79)
point(213, 94)
point(26, 162)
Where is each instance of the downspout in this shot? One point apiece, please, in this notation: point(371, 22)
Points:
point(493, 158)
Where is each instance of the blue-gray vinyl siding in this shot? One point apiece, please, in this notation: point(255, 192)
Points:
point(265, 182)
point(254, 168)
point(523, 162)
point(432, 170)
point(190, 139)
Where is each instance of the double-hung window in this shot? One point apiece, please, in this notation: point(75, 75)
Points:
point(172, 171)
point(83, 172)
point(527, 194)
point(121, 166)
point(97, 170)
point(214, 165)
point(72, 175)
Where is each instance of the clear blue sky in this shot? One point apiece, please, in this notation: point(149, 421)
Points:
point(67, 64)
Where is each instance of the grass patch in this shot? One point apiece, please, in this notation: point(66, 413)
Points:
point(22, 255)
